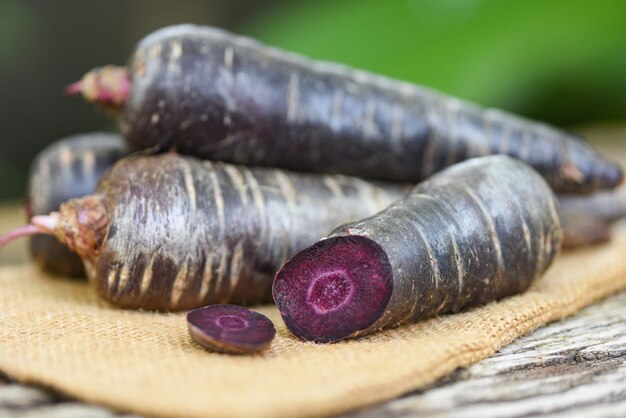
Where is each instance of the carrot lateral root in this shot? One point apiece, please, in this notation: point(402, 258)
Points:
point(74, 88)
point(81, 224)
point(22, 231)
point(41, 224)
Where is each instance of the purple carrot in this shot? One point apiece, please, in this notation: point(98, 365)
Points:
point(68, 168)
point(479, 231)
point(230, 329)
point(587, 220)
point(209, 93)
point(172, 232)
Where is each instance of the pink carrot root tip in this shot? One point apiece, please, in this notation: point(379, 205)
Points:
point(74, 88)
point(41, 224)
point(22, 231)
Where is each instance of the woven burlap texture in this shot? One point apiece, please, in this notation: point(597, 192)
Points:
point(56, 332)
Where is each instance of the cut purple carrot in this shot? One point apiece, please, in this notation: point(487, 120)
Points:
point(476, 232)
point(230, 329)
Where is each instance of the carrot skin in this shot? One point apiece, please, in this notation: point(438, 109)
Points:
point(66, 169)
point(214, 95)
point(586, 219)
point(607, 205)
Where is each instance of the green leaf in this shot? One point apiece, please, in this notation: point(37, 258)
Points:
point(528, 57)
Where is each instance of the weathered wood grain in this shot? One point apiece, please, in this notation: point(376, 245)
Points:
point(22, 401)
point(572, 368)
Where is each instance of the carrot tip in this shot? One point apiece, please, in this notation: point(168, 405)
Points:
point(22, 231)
point(74, 88)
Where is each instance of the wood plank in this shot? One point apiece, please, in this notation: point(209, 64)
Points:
point(24, 401)
point(572, 368)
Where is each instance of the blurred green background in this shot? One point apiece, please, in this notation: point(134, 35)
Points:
point(560, 61)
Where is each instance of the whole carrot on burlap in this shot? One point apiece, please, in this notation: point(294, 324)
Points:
point(173, 232)
point(476, 232)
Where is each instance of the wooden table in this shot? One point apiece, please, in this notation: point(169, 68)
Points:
point(572, 368)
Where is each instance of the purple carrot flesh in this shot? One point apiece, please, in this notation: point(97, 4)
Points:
point(68, 168)
point(208, 93)
point(172, 232)
point(476, 232)
point(230, 329)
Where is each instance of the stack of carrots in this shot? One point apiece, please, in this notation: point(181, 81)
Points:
point(235, 159)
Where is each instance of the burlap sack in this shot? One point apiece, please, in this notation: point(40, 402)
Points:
point(56, 332)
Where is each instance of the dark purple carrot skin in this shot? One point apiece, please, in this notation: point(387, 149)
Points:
point(66, 169)
point(230, 329)
point(582, 230)
point(214, 95)
point(586, 219)
point(608, 205)
point(172, 233)
point(479, 231)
